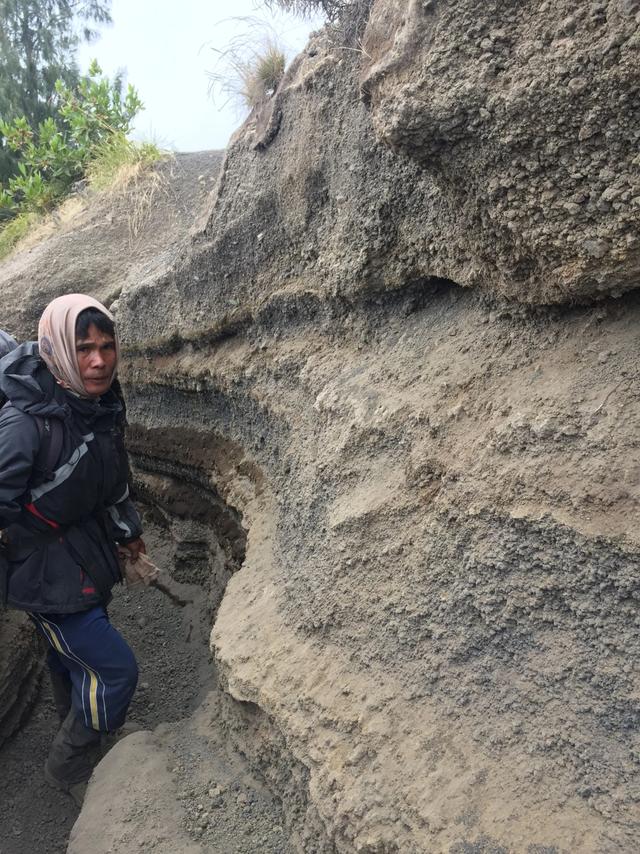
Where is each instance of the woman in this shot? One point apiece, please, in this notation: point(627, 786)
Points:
point(67, 524)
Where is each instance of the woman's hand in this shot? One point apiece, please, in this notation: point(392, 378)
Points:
point(131, 550)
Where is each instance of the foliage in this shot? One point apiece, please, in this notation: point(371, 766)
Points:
point(250, 69)
point(38, 40)
point(55, 155)
point(116, 164)
point(97, 108)
point(88, 137)
point(15, 230)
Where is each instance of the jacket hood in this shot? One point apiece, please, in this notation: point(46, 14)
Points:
point(28, 384)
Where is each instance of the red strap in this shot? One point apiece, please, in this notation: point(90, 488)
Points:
point(33, 509)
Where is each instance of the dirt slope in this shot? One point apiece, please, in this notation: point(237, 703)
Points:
point(101, 243)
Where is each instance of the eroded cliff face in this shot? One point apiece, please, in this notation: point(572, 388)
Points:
point(434, 630)
point(526, 116)
point(437, 610)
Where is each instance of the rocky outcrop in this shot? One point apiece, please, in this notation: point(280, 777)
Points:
point(434, 491)
point(466, 161)
point(437, 607)
point(526, 115)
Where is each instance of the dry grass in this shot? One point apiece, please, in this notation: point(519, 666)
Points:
point(250, 69)
point(261, 76)
point(117, 159)
point(142, 190)
point(133, 194)
point(123, 170)
point(61, 218)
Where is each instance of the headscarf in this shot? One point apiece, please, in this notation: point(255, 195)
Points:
point(57, 338)
point(7, 343)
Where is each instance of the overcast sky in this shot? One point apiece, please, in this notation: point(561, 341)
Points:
point(166, 49)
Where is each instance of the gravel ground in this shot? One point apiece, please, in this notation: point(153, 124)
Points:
point(225, 808)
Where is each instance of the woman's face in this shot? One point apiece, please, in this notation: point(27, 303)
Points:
point(96, 354)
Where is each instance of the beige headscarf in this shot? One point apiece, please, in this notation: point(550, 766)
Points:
point(57, 338)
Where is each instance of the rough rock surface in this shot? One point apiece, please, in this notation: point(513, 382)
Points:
point(438, 606)
point(20, 669)
point(527, 116)
point(432, 493)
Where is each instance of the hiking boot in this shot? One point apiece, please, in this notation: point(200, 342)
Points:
point(73, 755)
point(77, 791)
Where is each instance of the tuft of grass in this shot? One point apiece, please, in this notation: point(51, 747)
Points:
point(12, 232)
point(116, 160)
point(250, 69)
point(120, 169)
point(261, 75)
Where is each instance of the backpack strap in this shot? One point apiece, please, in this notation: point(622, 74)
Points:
point(51, 437)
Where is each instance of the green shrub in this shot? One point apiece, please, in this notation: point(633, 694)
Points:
point(57, 153)
point(87, 140)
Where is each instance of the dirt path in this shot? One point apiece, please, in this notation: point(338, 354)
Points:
point(176, 674)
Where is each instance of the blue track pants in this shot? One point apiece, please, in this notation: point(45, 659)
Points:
point(99, 662)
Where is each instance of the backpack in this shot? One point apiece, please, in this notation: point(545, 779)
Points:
point(51, 433)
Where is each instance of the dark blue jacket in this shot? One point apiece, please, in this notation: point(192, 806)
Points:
point(61, 533)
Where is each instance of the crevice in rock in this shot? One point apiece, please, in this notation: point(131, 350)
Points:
point(20, 672)
point(178, 480)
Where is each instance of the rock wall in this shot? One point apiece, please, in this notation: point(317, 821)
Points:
point(436, 616)
point(438, 606)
